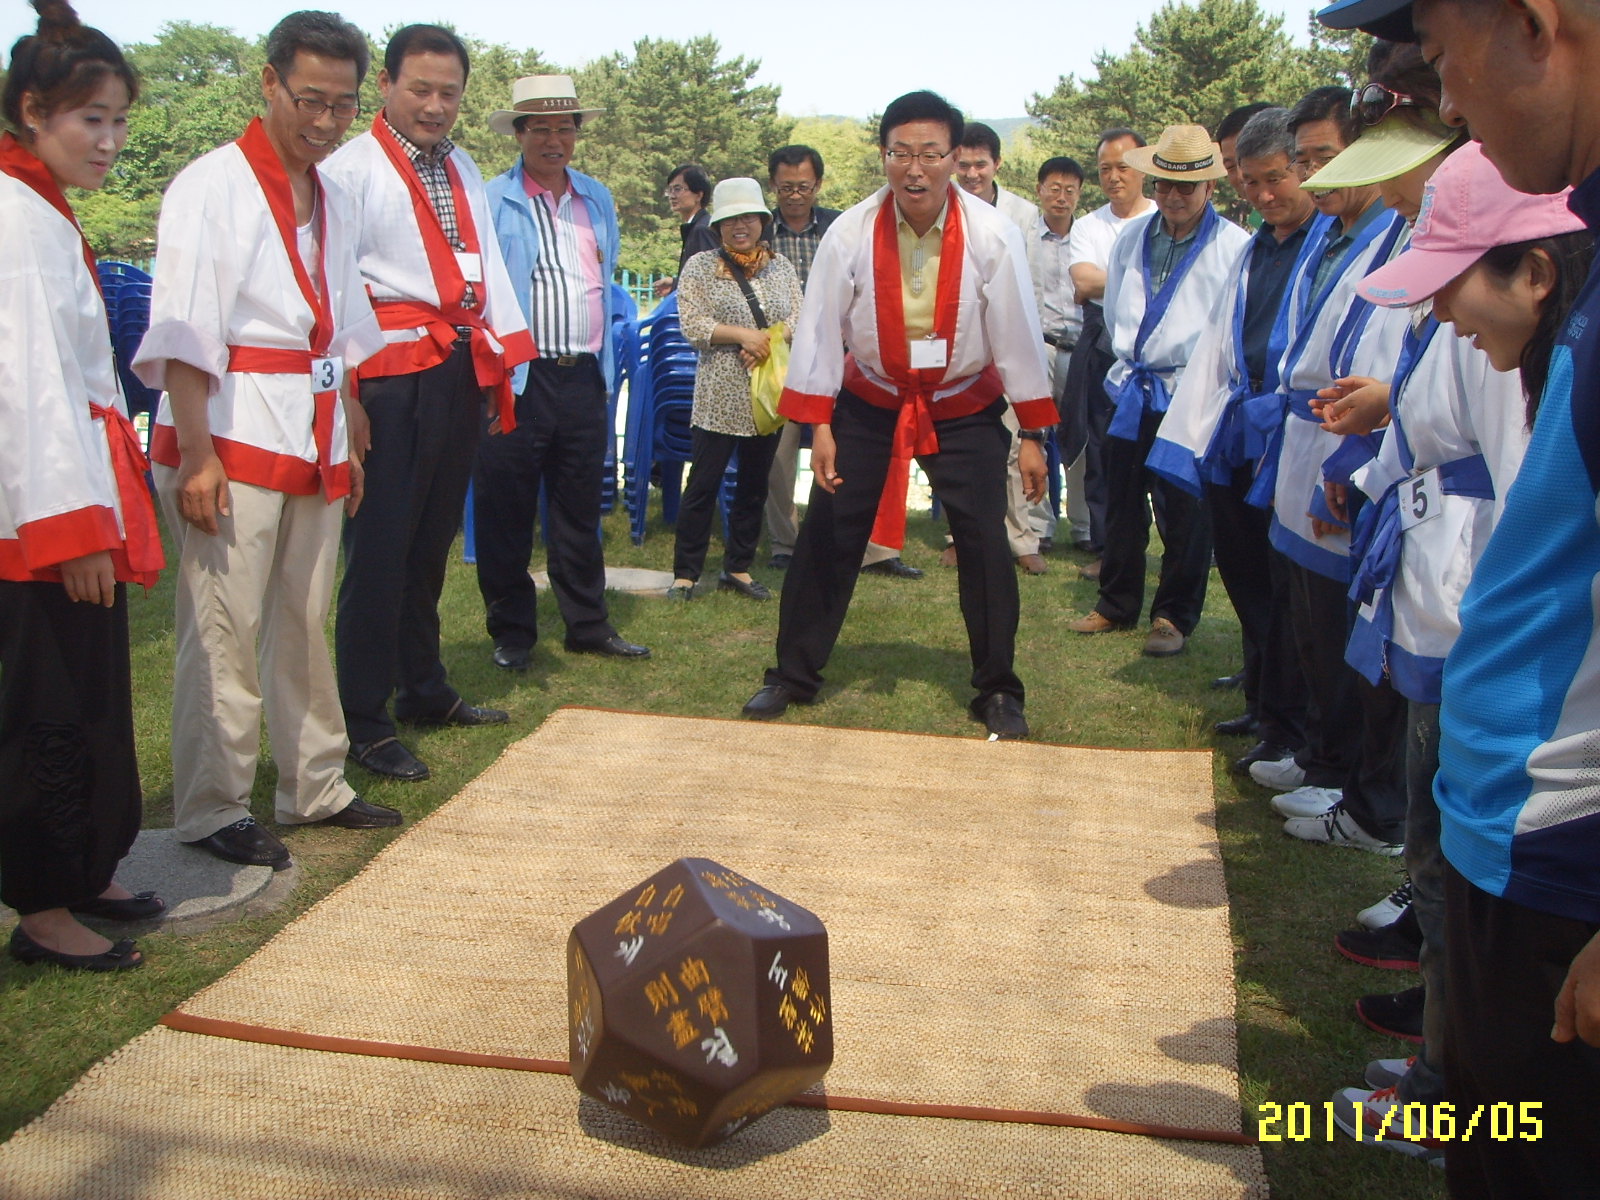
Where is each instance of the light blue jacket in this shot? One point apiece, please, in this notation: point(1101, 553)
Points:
point(519, 245)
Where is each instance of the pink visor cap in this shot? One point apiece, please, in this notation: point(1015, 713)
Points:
point(1466, 209)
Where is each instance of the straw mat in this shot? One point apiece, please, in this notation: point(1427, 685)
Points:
point(1012, 925)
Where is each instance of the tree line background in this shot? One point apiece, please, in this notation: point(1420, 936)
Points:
point(670, 102)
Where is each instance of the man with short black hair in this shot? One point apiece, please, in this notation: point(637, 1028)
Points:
point(1060, 184)
point(929, 287)
point(795, 175)
point(558, 231)
point(432, 265)
point(257, 318)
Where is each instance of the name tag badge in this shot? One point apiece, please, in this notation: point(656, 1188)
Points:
point(471, 266)
point(929, 354)
point(327, 374)
point(1421, 498)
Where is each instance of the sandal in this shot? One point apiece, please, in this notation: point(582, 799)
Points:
point(121, 957)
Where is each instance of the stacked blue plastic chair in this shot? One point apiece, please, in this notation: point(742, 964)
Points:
point(660, 399)
point(127, 294)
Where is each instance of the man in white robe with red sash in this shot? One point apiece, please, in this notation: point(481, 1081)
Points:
point(454, 330)
point(258, 313)
point(927, 287)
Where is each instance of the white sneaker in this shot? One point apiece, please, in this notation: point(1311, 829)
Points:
point(1379, 1119)
point(1282, 776)
point(1387, 911)
point(1306, 801)
point(1386, 1072)
point(1336, 829)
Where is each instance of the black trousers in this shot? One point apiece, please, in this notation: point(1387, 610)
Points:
point(560, 440)
point(969, 473)
point(1186, 550)
point(1256, 578)
point(698, 506)
point(1505, 965)
point(1086, 384)
point(425, 430)
point(70, 801)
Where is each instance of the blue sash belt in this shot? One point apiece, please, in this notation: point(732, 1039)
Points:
point(1375, 546)
point(1142, 389)
point(1268, 415)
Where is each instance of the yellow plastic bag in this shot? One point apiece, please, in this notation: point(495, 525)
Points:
point(766, 382)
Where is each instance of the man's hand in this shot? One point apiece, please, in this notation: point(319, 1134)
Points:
point(823, 452)
point(1354, 404)
point(358, 487)
point(1031, 463)
point(664, 287)
point(359, 426)
point(90, 579)
point(1578, 1002)
point(203, 490)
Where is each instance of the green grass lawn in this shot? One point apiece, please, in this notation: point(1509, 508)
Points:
point(901, 664)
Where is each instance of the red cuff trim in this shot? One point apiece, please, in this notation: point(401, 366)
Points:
point(251, 464)
point(1036, 414)
point(806, 407)
point(50, 541)
point(519, 348)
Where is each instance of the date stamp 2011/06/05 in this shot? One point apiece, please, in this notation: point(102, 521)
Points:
point(1442, 1122)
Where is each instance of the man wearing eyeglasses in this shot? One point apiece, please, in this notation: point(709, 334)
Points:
point(433, 269)
point(558, 231)
point(930, 288)
point(1164, 277)
point(257, 318)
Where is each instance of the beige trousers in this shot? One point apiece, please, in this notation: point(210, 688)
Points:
point(252, 614)
point(783, 524)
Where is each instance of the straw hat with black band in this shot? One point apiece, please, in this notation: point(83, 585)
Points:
point(540, 96)
point(1183, 153)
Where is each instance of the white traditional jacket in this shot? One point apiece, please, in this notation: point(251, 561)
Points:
point(1344, 335)
point(1154, 363)
point(71, 473)
point(1452, 451)
point(984, 310)
point(231, 299)
point(413, 275)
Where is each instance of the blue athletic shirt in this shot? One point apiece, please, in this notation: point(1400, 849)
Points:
point(1519, 751)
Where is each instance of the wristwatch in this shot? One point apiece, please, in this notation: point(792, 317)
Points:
point(1033, 435)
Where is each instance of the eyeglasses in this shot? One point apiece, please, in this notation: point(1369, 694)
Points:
point(344, 110)
point(1058, 189)
point(928, 158)
point(795, 189)
point(676, 189)
point(1172, 185)
point(544, 131)
point(1375, 102)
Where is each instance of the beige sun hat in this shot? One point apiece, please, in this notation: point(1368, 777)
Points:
point(1183, 152)
point(735, 197)
point(543, 95)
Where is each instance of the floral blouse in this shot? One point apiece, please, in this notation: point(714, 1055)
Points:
point(709, 296)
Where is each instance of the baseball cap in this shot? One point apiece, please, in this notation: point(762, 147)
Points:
point(1466, 209)
point(1387, 19)
point(1391, 147)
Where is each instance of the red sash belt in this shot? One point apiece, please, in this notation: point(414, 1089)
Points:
point(271, 360)
point(406, 358)
point(128, 464)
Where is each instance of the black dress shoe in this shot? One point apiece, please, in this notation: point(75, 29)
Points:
point(1226, 683)
point(121, 957)
point(358, 814)
point(462, 714)
point(755, 589)
point(1002, 716)
point(894, 568)
point(245, 842)
point(780, 562)
point(612, 647)
point(387, 756)
point(1241, 726)
point(513, 658)
point(770, 702)
point(1260, 752)
point(130, 908)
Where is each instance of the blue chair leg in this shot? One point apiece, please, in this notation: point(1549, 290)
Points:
point(469, 540)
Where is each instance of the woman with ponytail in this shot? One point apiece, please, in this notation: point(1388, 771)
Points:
point(76, 520)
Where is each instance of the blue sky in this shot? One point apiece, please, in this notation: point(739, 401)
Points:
point(829, 56)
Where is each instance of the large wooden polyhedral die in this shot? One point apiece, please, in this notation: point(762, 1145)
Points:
point(698, 1001)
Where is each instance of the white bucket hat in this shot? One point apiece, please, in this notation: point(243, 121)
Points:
point(539, 95)
point(735, 197)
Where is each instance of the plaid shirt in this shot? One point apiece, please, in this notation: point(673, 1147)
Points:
point(436, 182)
point(800, 248)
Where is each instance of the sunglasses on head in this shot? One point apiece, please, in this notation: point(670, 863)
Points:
point(1375, 102)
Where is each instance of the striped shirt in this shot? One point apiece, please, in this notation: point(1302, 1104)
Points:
point(567, 311)
point(436, 182)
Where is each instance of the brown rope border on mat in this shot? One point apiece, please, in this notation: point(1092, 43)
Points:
point(239, 1031)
